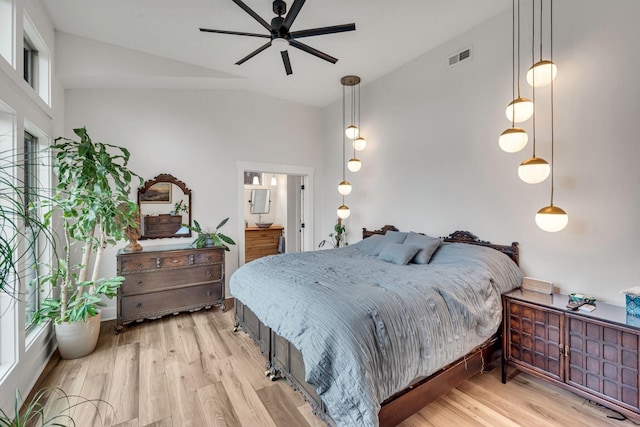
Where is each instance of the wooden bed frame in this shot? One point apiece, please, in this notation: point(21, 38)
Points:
point(285, 361)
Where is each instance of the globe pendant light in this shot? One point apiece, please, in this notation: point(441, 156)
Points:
point(514, 138)
point(520, 109)
point(542, 72)
point(352, 132)
point(354, 165)
point(344, 188)
point(552, 218)
point(545, 71)
point(343, 212)
point(534, 170)
point(359, 143)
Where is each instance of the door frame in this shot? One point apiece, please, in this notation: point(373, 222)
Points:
point(307, 174)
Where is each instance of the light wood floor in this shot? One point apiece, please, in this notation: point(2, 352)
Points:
point(193, 370)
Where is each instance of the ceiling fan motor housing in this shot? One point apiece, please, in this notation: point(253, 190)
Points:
point(279, 7)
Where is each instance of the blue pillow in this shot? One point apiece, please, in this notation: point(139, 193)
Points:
point(398, 253)
point(395, 236)
point(371, 245)
point(426, 245)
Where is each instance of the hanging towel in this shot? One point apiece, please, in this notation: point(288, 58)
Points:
point(281, 248)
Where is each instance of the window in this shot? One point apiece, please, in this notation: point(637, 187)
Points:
point(6, 31)
point(30, 63)
point(32, 300)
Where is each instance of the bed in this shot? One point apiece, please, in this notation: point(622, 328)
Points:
point(368, 342)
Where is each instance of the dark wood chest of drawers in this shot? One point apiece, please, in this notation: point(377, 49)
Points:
point(593, 354)
point(165, 280)
point(161, 225)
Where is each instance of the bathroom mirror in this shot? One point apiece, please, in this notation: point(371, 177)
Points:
point(165, 204)
point(260, 201)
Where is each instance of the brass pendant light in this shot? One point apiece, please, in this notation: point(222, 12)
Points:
point(514, 138)
point(552, 218)
point(545, 70)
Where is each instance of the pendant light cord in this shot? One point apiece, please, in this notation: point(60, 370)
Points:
point(343, 135)
point(513, 60)
point(518, 74)
point(553, 164)
point(540, 30)
point(533, 97)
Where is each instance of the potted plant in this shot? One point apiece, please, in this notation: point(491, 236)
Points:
point(210, 238)
point(338, 237)
point(92, 203)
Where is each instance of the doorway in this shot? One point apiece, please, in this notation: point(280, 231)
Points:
point(293, 199)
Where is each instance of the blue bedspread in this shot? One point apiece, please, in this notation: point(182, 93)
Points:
point(368, 328)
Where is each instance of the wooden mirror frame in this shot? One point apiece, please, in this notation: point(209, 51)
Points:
point(163, 177)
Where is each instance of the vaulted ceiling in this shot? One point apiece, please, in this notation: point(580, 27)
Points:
point(157, 44)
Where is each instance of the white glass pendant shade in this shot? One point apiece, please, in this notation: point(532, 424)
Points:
point(513, 140)
point(343, 212)
point(352, 132)
point(545, 71)
point(344, 188)
point(534, 170)
point(359, 143)
point(354, 165)
point(519, 110)
point(552, 219)
point(256, 180)
point(274, 181)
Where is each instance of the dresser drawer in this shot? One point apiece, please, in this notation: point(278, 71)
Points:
point(170, 278)
point(137, 264)
point(208, 256)
point(169, 301)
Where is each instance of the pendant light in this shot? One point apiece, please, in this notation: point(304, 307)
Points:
point(545, 70)
point(552, 218)
point(353, 131)
point(520, 109)
point(514, 138)
point(274, 181)
point(534, 170)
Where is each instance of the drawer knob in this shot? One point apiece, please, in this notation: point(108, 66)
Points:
point(209, 258)
point(139, 283)
point(174, 260)
point(139, 305)
point(208, 274)
point(139, 265)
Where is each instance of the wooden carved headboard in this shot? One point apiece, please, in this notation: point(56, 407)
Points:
point(512, 251)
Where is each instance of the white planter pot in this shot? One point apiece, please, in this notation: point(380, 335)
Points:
point(77, 339)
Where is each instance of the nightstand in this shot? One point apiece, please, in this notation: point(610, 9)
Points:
point(593, 354)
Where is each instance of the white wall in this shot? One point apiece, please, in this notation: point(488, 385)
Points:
point(433, 163)
point(199, 137)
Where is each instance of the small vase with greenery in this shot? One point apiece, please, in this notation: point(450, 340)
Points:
point(210, 238)
point(338, 238)
point(92, 203)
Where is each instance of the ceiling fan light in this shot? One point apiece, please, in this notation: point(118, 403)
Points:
point(343, 212)
point(513, 140)
point(344, 188)
point(519, 110)
point(280, 44)
point(552, 219)
point(354, 165)
point(534, 170)
point(545, 71)
point(359, 143)
point(352, 132)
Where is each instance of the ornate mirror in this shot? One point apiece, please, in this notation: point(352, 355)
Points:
point(165, 204)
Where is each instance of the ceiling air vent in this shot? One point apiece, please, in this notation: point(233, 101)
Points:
point(459, 57)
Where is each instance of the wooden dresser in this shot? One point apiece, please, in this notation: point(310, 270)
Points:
point(161, 225)
point(593, 354)
point(168, 279)
point(259, 242)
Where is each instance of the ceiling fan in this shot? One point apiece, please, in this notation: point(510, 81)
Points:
point(279, 35)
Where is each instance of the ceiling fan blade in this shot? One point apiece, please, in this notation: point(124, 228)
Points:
point(293, 13)
point(235, 33)
point(254, 53)
point(286, 62)
point(323, 30)
point(254, 15)
point(312, 51)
